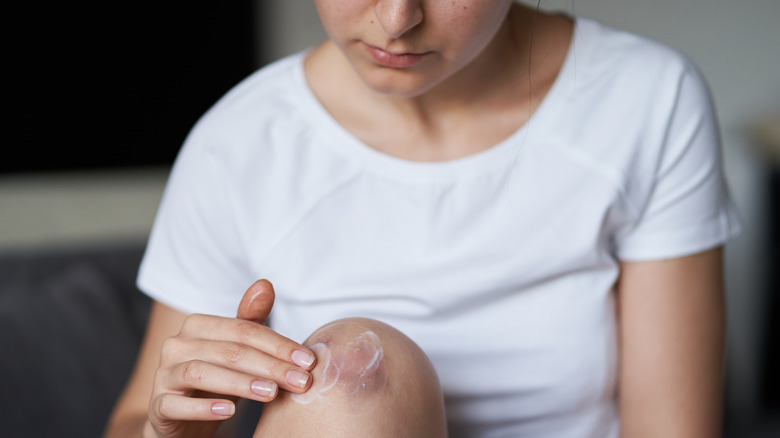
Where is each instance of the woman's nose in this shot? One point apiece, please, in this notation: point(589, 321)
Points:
point(398, 16)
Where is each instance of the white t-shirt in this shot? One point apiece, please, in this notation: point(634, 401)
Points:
point(499, 265)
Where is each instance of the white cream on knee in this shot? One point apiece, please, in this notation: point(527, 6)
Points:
point(354, 368)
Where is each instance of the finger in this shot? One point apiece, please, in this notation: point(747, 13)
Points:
point(203, 360)
point(204, 327)
point(175, 407)
point(257, 302)
point(207, 377)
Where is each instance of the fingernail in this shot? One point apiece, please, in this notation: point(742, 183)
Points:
point(224, 409)
point(264, 389)
point(303, 359)
point(297, 378)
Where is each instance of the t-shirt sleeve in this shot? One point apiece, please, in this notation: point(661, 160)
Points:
point(687, 208)
point(194, 260)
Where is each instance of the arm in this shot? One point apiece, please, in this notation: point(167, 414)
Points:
point(672, 325)
point(130, 414)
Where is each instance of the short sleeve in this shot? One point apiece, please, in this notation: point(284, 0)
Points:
point(194, 260)
point(687, 208)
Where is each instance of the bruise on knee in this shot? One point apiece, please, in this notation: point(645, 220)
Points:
point(370, 380)
point(350, 363)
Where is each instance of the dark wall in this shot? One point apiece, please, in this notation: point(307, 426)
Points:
point(117, 84)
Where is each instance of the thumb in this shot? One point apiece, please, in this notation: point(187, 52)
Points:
point(257, 302)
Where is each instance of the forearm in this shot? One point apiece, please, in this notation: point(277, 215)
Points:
point(671, 403)
point(130, 426)
point(138, 425)
point(672, 344)
point(693, 411)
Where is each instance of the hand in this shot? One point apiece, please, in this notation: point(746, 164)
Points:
point(213, 361)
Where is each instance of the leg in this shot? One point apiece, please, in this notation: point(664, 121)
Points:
point(370, 380)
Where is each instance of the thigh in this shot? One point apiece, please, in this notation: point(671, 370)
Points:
point(370, 380)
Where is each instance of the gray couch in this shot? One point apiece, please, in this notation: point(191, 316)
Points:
point(71, 322)
point(70, 325)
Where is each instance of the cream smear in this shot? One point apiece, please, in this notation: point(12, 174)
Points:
point(351, 368)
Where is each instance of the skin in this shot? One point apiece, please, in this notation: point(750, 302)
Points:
point(672, 328)
point(472, 89)
point(478, 80)
point(352, 365)
point(385, 386)
point(192, 369)
point(397, 27)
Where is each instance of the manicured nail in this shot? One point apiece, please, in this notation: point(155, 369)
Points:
point(297, 378)
point(303, 359)
point(224, 409)
point(264, 389)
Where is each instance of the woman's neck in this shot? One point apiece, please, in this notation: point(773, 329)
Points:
point(472, 110)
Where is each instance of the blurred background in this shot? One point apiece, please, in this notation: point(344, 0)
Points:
point(103, 94)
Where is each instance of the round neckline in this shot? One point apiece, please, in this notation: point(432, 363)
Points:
point(503, 153)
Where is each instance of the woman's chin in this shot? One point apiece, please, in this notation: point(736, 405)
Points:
point(398, 83)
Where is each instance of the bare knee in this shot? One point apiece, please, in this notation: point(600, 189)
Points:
point(351, 360)
point(367, 368)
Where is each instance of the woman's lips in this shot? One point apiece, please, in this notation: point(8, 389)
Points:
point(394, 60)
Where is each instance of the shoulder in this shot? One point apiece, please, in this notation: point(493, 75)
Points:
point(608, 47)
point(266, 133)
point(270, 92)
point(622, 63)
point(632, 105)
point(264, 120)
point(618, 75)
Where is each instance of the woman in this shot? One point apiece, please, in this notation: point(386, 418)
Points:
point(536, 201)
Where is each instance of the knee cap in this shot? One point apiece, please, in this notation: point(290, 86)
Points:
point(350, 361)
